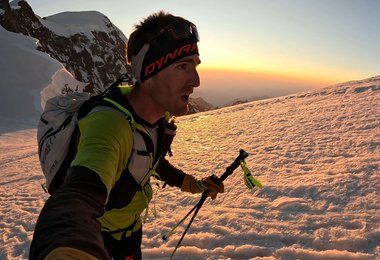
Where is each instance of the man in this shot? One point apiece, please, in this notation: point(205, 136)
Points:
point(95, 213)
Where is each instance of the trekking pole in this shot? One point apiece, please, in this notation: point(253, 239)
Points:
point(166, 236)
point(230, 169)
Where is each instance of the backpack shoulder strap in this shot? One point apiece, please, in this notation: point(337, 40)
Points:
point(114, 98)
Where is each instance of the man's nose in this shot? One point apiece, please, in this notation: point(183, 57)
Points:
point(196, 82)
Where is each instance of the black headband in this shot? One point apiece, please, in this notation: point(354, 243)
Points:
point(163, 51)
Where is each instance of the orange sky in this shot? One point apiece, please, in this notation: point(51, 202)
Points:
point(266, 75)
point(223, 86)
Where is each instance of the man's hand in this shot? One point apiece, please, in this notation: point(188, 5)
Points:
point(213, 184)
point(210, 183)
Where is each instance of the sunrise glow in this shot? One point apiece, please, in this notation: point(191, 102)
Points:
point(325, 41)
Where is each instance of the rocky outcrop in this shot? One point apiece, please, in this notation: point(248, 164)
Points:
point(199, 105)
point(94, 53)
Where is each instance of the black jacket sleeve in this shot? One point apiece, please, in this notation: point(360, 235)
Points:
point(170, 174)
point(69, 217)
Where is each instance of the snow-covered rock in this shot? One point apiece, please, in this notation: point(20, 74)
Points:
point(87, 43)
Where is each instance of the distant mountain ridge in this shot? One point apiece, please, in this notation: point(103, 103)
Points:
point(354, 86)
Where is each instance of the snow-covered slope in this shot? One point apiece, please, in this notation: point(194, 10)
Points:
point(317, 154)
point(24, 73)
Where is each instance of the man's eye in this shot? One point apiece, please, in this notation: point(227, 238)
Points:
point(181, 66)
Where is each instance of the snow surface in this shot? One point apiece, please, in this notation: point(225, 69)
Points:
point(70, 23)
point(317, 154)
point(14, 4)
point(24, 73)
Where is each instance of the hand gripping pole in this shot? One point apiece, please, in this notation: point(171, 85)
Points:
point(230, 169)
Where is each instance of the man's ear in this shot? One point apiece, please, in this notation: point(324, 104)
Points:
point(148, 83)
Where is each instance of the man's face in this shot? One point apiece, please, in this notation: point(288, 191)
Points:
point(170, 88)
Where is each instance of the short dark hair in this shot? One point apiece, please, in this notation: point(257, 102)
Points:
point(147, 29)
